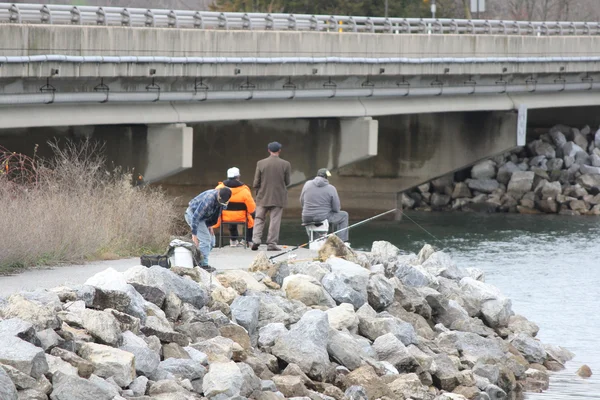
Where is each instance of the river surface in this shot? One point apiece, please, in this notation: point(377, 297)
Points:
point(548, 265)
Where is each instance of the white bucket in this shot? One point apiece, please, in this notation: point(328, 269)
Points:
point(182, 258)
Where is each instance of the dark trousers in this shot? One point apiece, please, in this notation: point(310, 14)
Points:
point(233, 232)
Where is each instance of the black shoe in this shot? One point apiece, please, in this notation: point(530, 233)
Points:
point(208, 268)
point(273, 248)
point(255, 246)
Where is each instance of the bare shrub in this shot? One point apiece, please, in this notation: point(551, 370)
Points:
point(76, 210)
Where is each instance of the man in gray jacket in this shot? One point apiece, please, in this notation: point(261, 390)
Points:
point(320, 202)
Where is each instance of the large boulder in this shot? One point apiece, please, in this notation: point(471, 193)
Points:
point(343, 317)
point(408, 386)
point(483, 185)
point(334, 247)
point(587, 169)
point(389, 348)
point(110, 362)
point(541, 148)
point(344, 349)
point(589, 182)
point(103, 326)
point(23, 356)
point(39, 315)
point(373, 326)
point(520, 183)
point(385, 251)
point(268, 334)
point(146, 359)
point(306, 289)
point(181, 368)
point(158, 326)
point(245, 310)
point(461, 190)
point(306, 344)
point(571, 149)
point(532, 349)
point(440, 264)
point(439, 201)
point(21, 329)
point(558, 137)
point(486, 300)
point(505, 172)
point(551, 190)
point(473, 347)
point(67, 387)
point(484, 170)
point(347, 282)
point(186, 289)
point(223, 380)
point(8, 391)
point(380, 292)
point(414, 275)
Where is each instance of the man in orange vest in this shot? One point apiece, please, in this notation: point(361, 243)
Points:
point(240, 193)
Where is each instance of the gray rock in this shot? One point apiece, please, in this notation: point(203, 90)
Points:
point(521, 182)
point(162, 329)
point(306, 344)
point(407, 201)
point(484, 170)
point(315, 269)
point(445, 374)
point(23, 356)
point(380, 292)
point(268, 334)
point(183, 368)
point(355, 393)
point(102, 326)
point(152, 294)
point(110, 362)
point(343, 317)
point(589, 182)
point(532, 349)
point(146, 360)
point(580, 139)
point(551, 190)
point(268, 386)
point(374, 327)
point(424, 188)
point(8, 391)
point(558, 138)
point(539, 163)
point(251, 383)
point(306, 289)
point(555, 164)
point(558, 353)
point(344, 350)
point(586, 169)
point(384, 250)
point(494, 392)
point(597, 138)
point(347, 282)
point(139, 386)
point(245, 310)
point(223, 380)
point(49, 339)
point(483, 185)
point(39, 315)
point(32, 394)
point(21, 380)
point(19, 328)
point(505, 172)
point(440, 264)
point(66, 387)
point(197, 355)
point(570, 149)
point(440, 200)
point(461, 190)
point(541, 148)
point(473, 347)
point(172, 307)
point(389, 348)
point(486, 299)
point(415, 275)
point(186, 289)
point(488, 371)
point(217, 349)
point(518, 323)
point(443, 184)
point(108, 385)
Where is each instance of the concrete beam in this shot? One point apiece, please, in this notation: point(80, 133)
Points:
point(170, 149)
point(47, 115)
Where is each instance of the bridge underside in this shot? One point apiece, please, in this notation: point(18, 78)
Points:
point(372, 159)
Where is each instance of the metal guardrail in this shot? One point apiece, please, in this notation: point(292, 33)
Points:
point(89, 15)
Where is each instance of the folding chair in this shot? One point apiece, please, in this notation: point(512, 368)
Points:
point(234, 207)
point(314, 230)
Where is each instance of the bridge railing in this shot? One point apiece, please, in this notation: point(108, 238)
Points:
point(91, 15)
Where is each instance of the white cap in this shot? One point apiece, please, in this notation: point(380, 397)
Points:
point(233, 172)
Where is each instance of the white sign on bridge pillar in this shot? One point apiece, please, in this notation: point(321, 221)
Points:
point(522, 125)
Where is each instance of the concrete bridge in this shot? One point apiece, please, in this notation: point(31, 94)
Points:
point(388, 103)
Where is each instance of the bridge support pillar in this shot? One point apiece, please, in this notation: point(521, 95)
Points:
point(169, 151)
point(358, 139)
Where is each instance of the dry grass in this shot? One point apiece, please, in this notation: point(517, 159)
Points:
point(75, 210)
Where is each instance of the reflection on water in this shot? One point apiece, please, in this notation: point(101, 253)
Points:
point(547, 265)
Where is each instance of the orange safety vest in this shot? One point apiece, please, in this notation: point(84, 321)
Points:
point(241, 194)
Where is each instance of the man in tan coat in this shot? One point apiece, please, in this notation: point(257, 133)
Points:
point(270, 182)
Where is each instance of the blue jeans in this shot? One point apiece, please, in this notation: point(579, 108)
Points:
point(206, 241)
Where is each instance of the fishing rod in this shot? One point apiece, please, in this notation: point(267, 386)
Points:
point(333, 233)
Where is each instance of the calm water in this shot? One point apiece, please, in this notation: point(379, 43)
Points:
point(547, 265)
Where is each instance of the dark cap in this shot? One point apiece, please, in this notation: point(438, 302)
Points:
point(324, 173)
point(274, 147)
point(225, 194)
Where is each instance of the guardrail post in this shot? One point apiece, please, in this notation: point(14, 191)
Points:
point(14, 14)
point(75, 16)
point(46, 15)
point(198, 21)
point(125, 18)
point(149, 21)
point(100, 16)
point(173, 19)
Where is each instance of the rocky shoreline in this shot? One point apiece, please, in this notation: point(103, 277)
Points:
point(356, 325)
point(558, 173)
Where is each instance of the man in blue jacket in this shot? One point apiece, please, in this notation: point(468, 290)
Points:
point(202, 213)
point(320, 202)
